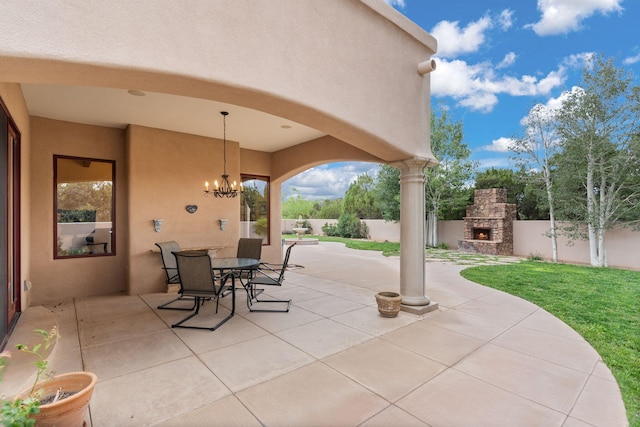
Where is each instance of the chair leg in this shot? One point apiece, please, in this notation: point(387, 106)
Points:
point(195, 313)
point(199, 302)
point(252, 297)
point(180, 298)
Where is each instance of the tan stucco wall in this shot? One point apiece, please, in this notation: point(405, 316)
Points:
point(59, 279)
point(347, 68)
point(529, 238)
point(621, 245)
point(159, 173)
point(11, 95)
point(167, 171)
point(293, 160)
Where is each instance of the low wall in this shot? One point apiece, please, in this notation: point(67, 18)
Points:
point(377, 229)
point(529, 238)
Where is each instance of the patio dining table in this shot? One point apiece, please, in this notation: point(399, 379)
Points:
point(228, 267)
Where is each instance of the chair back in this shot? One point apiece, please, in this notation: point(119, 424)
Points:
point(196, 276)
point(249, 248)
point(169, 260)
point(285, 262)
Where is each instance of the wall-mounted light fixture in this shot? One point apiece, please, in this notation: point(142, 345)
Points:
point(157, 225)
point(223, 224)
point(426, 67)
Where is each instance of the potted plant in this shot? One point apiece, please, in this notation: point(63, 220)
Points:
point(61, 400)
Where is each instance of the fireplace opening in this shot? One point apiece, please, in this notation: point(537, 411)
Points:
point(482, 234)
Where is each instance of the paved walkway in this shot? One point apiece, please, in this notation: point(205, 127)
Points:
point(483, 359)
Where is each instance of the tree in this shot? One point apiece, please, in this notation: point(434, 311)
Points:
point(387, 192)
point(522, 190)
point(534, 203)
point(445, 183)
point(330, 209)
point(89, 196)
point(359, 200)
point(502, 178)
point(253, 200)
point(534, 150)
point(598, 170)
point(295, 206)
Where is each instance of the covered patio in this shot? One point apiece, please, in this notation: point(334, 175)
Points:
point(139, 89)
point(485, 358)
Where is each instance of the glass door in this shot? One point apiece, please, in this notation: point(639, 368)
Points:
point(9, 223)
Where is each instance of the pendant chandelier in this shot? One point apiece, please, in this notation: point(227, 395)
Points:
point(224, 188)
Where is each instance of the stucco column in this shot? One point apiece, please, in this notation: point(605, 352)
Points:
point(412, 236)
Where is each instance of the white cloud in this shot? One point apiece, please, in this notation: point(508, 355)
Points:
point(328, 181)
point(578, 60)
point(494, 162)
point(396, 3)
point(508, 60)
point(500, 145)
point(453, 40)
point(631, 59)
point(552, 106)
point(505, 19)
point(565, 16)
point(476, 86)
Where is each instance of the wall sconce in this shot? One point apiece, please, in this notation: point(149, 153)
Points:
point(157, 225)
point(426, 67)
point(223, 224)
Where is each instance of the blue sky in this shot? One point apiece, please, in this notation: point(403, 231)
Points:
point(495, 60)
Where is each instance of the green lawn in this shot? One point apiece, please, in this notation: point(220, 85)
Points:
point(387, 248)
point(601, 304)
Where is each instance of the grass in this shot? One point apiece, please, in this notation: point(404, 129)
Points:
point(387, 248)
point(600, 304)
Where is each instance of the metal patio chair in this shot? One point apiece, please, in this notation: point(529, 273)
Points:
point(198, 282)
point(170, 267)
point(248, 248)
point(268, 275)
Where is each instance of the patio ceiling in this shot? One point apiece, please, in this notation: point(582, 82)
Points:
point(117, 108)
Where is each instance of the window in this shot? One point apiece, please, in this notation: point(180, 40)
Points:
point(84, 223)
point(254, 207)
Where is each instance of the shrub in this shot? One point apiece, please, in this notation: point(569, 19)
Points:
point(348, 226)
point(330, 230)
point(535, 257)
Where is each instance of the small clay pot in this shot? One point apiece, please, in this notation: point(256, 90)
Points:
point(388, 303)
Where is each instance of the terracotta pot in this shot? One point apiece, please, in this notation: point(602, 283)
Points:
point(388, 303)
point(70, 411)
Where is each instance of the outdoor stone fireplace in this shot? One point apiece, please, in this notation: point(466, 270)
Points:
point(488, 226)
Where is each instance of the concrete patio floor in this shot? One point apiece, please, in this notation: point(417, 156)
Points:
point(484, 358)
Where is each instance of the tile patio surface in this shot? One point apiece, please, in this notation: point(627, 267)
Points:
point(484, 358)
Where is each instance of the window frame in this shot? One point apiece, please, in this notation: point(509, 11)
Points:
point(112, 234)
point(267, 179)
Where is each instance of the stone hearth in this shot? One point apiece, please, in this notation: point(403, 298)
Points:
point(488, 226)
